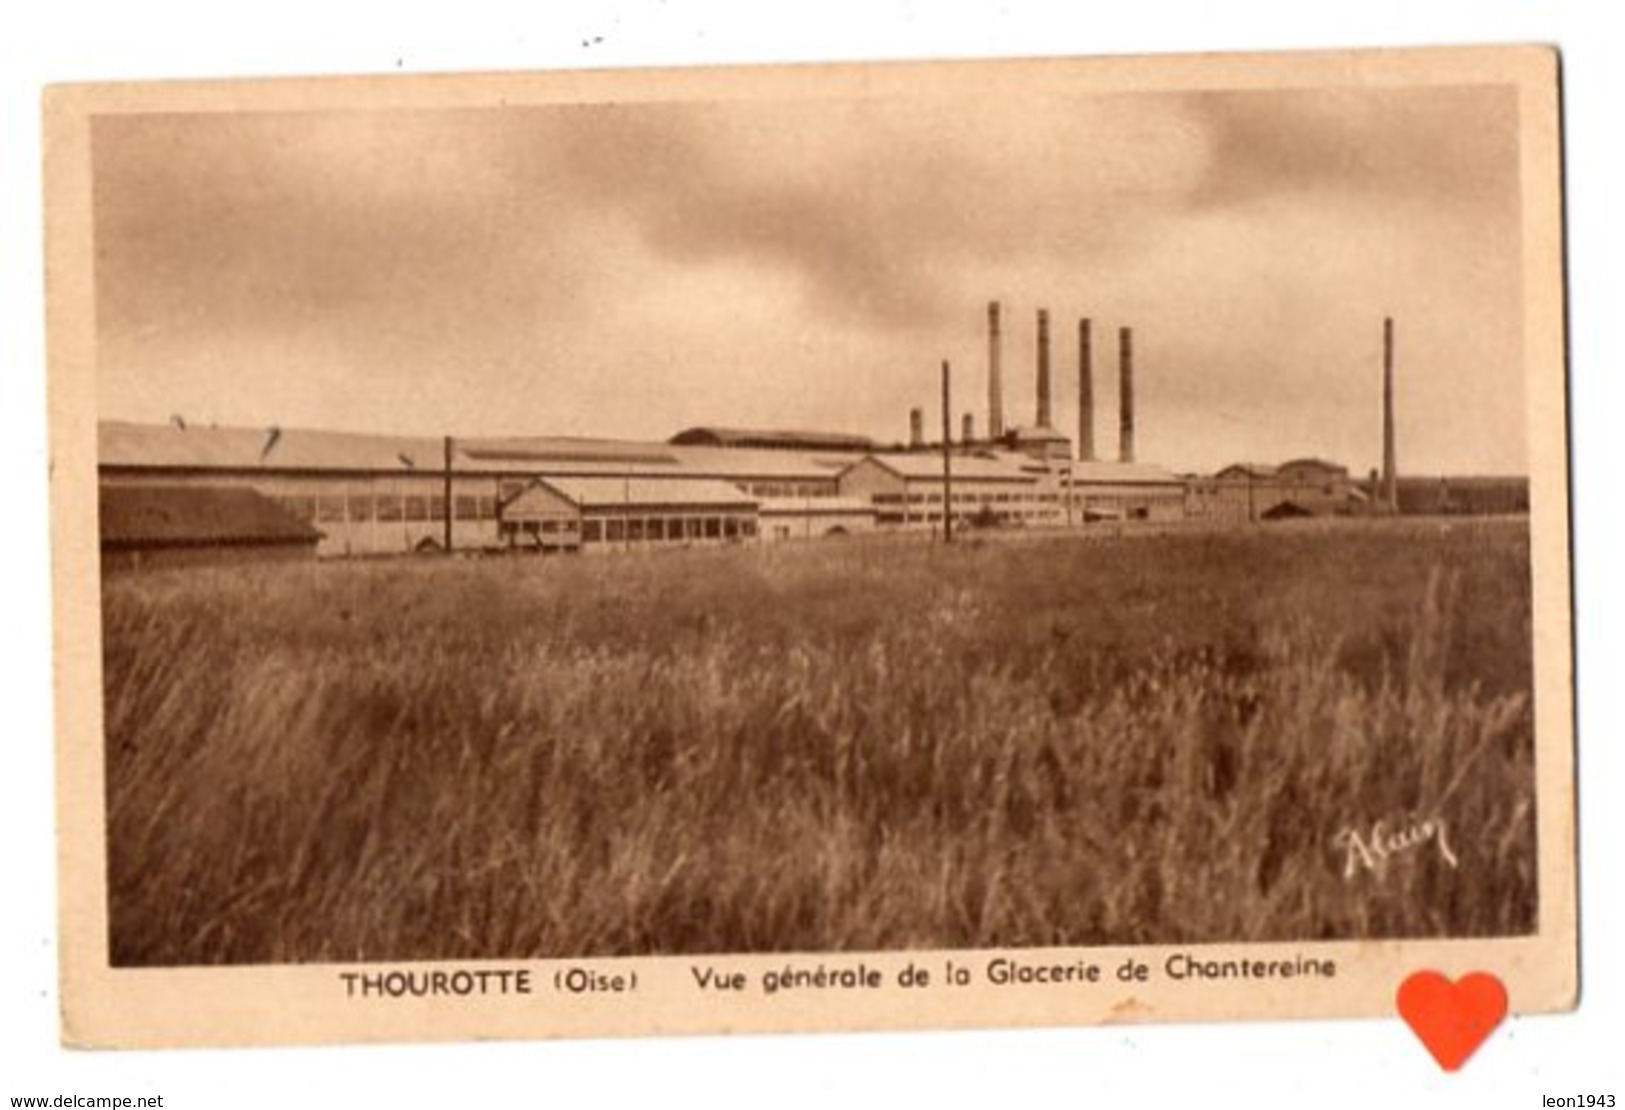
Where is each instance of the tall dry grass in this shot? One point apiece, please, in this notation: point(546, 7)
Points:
point(842, 746)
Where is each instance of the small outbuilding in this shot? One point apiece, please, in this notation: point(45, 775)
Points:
point(556, 514)
point(152, 526)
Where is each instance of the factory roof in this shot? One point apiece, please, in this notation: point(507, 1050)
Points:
point(532, 451)
point(734, 462)
point(139, 516)
point(920, 464)
point(658, 460)
point(1246, 470)
point(177, 447)
point(1020, 460)
point(618, 493)
point(772, 439)
point(649, 460)
point(1314, 464)
point(173, 447)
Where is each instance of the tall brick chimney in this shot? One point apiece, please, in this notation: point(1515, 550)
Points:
point(995, 386)
point(1043, 368)
point(1125, 370)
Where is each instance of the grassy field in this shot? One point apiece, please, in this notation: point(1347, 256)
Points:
point(848, 745)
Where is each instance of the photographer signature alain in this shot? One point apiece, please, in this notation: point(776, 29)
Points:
point(1371, 849)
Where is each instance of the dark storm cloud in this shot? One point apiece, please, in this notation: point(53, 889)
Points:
point(695, 199)
point(877, 208)
point(810, 262)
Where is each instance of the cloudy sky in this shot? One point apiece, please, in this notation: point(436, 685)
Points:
point(629, 270)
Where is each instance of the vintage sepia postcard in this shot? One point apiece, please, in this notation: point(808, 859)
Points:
point(804, 548)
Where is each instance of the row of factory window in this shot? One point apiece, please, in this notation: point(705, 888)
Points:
point(561, 526)
point(509, 488)
point(338, 508)
point(1004, 516)
point(617, 530)
point(668, 529)
point(393, 507)
point(1239, 487)
point(789, 489)
point(966, 498)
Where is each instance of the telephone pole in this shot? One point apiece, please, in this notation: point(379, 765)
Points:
point(947, 461)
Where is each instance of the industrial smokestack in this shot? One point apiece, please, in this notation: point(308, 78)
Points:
point(1390, 476)
point(916, 427)
point(1043, 368)
point(995, 385)
point(968, 428)
point(1125, 370)
point(1086, 393)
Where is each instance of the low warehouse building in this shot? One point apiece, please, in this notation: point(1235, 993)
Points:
point(156, 526)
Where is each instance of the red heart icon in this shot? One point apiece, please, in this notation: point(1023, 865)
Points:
point(1452, 1019)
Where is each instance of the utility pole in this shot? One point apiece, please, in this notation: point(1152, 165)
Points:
point(1390, 470)
point(450, 505)
point(1125, 409)
point(947, 461)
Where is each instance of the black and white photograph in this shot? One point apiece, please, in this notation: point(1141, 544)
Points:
point(981, 509)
